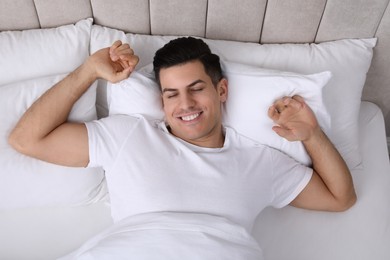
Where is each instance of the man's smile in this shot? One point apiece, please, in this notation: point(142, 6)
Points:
point(191, 117)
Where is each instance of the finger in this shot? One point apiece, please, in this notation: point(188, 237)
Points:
point(296, 104)
point(133, 60)
point(280, 131)
point(115, 49)
point(286, 100)
point(280, 105)
point(303, 104)
point(298, 98)
point(121, 75)
point(130, 61)
point(124, 73)
point(115, 45)
point(273, 113)
point(126, 56)
point(283, 132)
point(124, 64)
point(124, 50)
point(124, 61)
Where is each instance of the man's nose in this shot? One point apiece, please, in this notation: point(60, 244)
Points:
point(187, 101)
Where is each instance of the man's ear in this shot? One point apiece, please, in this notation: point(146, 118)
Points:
point(223, 89)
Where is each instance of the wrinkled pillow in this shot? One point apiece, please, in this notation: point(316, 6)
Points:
point(31, 61)
point(138, 94)
point(28, 182)
point(43, 52)
point(251, 92)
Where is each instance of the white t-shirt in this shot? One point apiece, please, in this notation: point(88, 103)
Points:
point(150, 170)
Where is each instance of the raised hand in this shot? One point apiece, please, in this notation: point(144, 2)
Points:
point(114, 63)
point(294, 118)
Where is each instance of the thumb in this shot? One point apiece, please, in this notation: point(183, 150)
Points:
point(121, 75)
point(283, 132)
point(298, 98)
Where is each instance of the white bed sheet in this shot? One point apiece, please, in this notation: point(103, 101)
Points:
point(47, 233)
point(361, 233)
point(171, 236)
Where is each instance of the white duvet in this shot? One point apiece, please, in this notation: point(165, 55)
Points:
point(169, 235)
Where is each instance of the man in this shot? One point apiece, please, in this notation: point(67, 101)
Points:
point(190, 162)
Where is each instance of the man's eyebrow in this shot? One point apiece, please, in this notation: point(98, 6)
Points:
point(189, 85)
point(168, 89)
point(195, 82)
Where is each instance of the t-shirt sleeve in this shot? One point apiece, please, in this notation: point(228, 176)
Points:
point(106, 137)
point(289, 179)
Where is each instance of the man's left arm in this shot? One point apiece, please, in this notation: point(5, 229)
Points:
point(331, 186)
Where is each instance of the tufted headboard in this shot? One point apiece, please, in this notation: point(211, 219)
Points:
point(261, 21)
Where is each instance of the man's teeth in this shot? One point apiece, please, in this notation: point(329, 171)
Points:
point(190, 117)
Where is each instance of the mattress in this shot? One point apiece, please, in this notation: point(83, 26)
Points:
point(363, 232)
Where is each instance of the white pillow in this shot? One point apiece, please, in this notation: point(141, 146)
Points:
point(347, 60)
point(43, 52)
point(138, 94)
point(251, 92)
point(27, 182)
point(102, 37)
point(28, 62)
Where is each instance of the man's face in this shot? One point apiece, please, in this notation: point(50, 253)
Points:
point(192, 104)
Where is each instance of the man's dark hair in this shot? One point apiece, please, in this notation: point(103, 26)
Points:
point(187, 49)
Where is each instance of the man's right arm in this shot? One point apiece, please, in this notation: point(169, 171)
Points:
point(44, 133)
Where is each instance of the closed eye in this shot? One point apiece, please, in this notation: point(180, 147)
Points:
point(169, 92)
point(197, 89)
point(170, 95)
point(198, 86)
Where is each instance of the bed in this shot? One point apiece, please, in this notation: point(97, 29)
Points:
point(48, 211)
